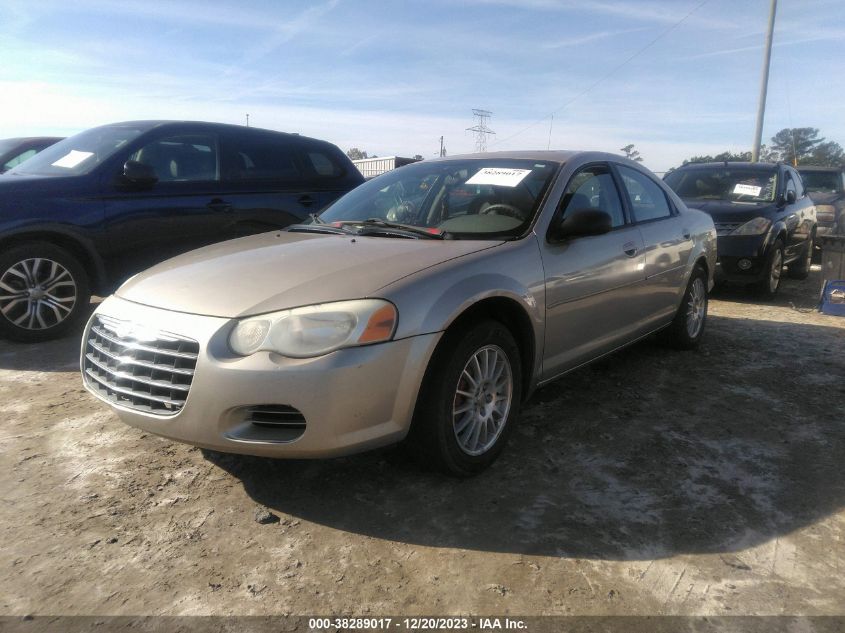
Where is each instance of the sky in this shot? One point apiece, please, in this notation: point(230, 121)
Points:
point(674, 77)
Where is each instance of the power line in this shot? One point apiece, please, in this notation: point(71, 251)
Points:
point(608, 74)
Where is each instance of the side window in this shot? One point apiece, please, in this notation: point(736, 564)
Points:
point(17, 160)
point(799, 184)
point(593, 188)
point(648, 201)
point(790, 185)
point(260, 158)
point(323, 165)
point(182, 158)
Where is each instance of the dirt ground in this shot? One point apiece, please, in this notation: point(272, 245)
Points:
point(653, 482)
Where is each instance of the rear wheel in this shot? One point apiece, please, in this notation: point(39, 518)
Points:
point(801, 268)
point(43, 292)
point(768, 286)
point(687, 328)
point(469, 400)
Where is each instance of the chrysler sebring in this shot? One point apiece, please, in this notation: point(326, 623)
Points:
point(424, 306)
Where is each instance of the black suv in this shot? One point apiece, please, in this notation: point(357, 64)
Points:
point(86, 213)
point(14, 151)
point(764, 219)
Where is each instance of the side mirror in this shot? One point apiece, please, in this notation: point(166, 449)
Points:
point(584, 222)
point(790, 196)
point(139, 173)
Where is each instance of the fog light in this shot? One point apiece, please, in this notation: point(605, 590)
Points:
point(744, 264)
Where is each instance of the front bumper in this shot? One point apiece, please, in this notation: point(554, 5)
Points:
point(351, 400)
point(732, 249)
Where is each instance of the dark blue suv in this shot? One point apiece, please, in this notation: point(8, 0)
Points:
point(765, 222)
point(88, 212)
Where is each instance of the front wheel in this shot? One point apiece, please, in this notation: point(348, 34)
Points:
point(801, 268)
point(469, 400)
point(768, 286)
point(43, 292)
point(687, 328)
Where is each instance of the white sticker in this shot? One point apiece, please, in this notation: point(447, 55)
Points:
point(749, 190)
point(72, 159)
point(501, 176)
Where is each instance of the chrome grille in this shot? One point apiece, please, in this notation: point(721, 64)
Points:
point(726, 228)
point(145, 370)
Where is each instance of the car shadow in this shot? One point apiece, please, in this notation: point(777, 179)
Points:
point(799, 294)
point(646, 454)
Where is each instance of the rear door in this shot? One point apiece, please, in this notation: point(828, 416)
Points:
point(667, 238)
point(180, 212)
point(266, 185)
point(593, 284)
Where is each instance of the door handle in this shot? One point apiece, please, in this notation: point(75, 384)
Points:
point(630, 249)
point(219, 205)
point(306, 200)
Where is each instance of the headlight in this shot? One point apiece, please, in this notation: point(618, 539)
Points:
point(757, 226)
point(316, 330)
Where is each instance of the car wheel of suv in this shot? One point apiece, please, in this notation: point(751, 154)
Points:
point(43, 292)
point(768, 286)
point(469, 400)
point(687, 328)
point(801, 269)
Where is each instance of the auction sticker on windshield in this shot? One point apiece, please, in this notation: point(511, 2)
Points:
point(747, 190)
point(498, 176)
point(72, 159)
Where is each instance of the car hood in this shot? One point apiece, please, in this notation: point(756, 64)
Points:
point(722, 211)
point(276, 271)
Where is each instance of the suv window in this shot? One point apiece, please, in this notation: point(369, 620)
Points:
point(594, 188)
point(260, 158)
point(324, 165)
point(790, 184)
point(648, 200)
point(17, 160)
point(182, 158)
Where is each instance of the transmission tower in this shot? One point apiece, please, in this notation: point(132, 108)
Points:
point(480, 128)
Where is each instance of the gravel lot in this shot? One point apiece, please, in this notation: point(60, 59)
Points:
point(652, 482)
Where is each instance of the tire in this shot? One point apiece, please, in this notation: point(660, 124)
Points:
point(444, 436)
point(768, 287)
point(687, 328)
point(44, 290)
point(801, 268)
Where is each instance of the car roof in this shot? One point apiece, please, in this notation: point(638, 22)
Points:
point(30, 139)
point(147, 125)
point(561, 156)
point(819, 168)
point(729, 163)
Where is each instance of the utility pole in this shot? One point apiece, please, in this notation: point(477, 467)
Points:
point(480, 128)
point(247, 119)
point(764, 84)
point(442, 148)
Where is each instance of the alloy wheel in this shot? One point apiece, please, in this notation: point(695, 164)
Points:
point(482, 400)
point(37, 293)
point(696, 308)
point(775, 271)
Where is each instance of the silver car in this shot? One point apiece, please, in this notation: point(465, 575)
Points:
point(426, 305)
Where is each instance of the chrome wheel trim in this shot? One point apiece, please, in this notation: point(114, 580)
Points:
point(482, 400)
point(776, 271)
point(696, 307)
point(37, 294)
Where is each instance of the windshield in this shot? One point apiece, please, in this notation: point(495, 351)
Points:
point(78, 154)
point(8, 144)
point(469, 199)
point(733, 184)
point(822, 181)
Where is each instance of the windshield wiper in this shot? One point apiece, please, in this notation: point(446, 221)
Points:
point(406, 228)
point(320, 227)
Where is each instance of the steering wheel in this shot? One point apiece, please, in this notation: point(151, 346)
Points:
point(503, 209)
